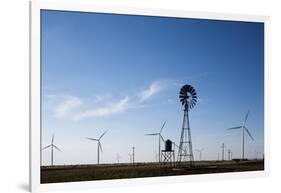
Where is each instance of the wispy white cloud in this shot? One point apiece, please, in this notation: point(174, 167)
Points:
point(153, 89)
point(67, 106)
point(103, 111)
point(101, 98)
point(75, 108)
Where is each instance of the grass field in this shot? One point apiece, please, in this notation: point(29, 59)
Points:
point(72, 173)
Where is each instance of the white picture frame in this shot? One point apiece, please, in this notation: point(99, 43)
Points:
point(35, 81)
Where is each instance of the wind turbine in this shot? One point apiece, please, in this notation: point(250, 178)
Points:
point(99, 145)
point(130, 155)
point(257, 154)
point(118, 158)
point(243, 129)
point(160, 138)
point(52, 146)
point(133, 155)
point(200, 152)
point(229, 154)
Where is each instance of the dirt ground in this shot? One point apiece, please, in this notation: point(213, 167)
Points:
point(72, 173)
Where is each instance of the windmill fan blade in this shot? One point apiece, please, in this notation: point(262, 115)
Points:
point(183, 97)
point(91, 139)
point(162, 126)
point(192, 91)
point(234, 128)
point(182, 92)
point(103, 134)
point(192, 103)
point(57, 148)
point(183, 100)
point(46, 147)
point(249, 133)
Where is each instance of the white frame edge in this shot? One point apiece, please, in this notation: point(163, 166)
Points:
point(35, 95)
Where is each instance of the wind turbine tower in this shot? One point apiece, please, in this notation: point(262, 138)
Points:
point(99, 145)
point(188, 99)
point(222, 155)
point(243, 129)
point(133, 155)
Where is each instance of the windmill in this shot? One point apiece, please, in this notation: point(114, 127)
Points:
point(200, 153)
point(160, 138)
point(99, 145)
point(52, 146)
point(188, 99)
point(243, 129)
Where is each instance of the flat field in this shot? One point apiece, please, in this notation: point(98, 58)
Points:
point(73, 173)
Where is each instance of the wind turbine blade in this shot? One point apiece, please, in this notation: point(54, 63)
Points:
point(162, 126)
point(246, 117)
point(234, 128)
point(100, 147)
point(91, 139)
point(249, 133)
point(179, 147)
point(57, 148)
point(175, 144)
point(102, 134)
point(152, 134)
point(161, 137)
point(46, 147)
point(53, 138)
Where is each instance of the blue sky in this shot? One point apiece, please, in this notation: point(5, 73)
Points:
point(123, 74)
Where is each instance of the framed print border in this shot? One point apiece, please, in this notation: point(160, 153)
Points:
point(35, 92)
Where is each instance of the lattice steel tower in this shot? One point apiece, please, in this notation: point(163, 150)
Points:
point(188, 99)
